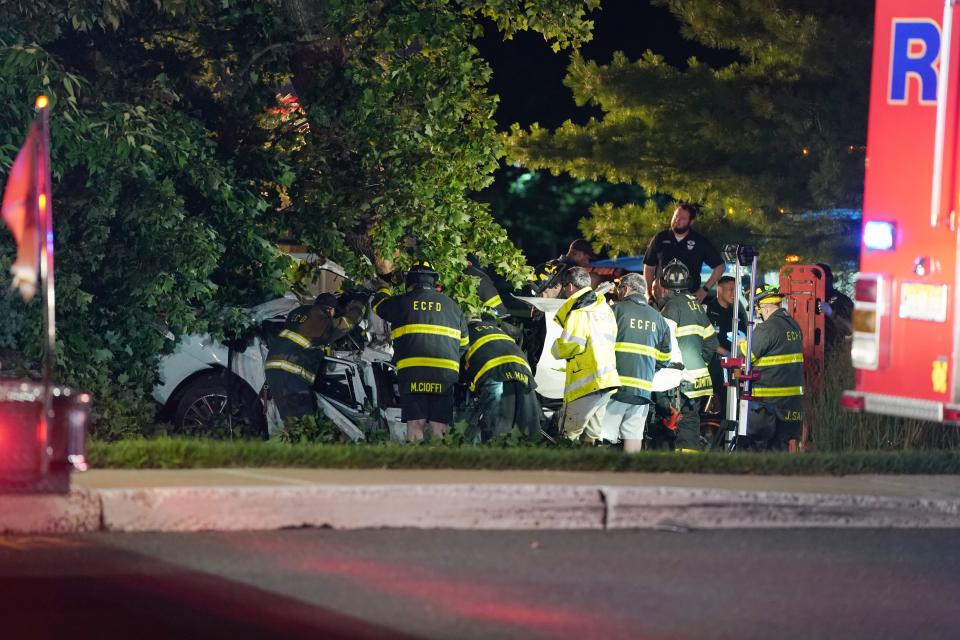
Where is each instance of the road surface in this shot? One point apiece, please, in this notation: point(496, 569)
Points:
point(475, 584)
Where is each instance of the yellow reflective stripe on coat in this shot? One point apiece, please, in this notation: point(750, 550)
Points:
point(641, 349)
point(695, 330)
point(772, 361)
point(464, 341)
point(495, 301)
point(290, 367)
point(435, 363)
point(296, 338)
point(587, 379)
point(496, 362)
point(485, 340)
point(380, 301)
point(428, 329)
point(636, 383)
point(776, 392)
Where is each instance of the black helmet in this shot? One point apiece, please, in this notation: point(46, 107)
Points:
point(423, 273)
point(327, 300)
point(675, 276)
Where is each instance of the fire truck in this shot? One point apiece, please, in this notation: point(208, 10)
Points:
point(906, 323)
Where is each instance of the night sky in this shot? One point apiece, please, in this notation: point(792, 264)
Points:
point(528, 75)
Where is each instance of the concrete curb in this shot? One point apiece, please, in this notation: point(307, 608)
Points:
point(77, 512)
point(352, 507)
point(661, 507)
point(459, 506)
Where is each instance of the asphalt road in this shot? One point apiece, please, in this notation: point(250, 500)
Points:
point(467, 584)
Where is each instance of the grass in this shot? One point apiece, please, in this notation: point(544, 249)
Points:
point(836, 430)
point(841, 443)
point(167, 453)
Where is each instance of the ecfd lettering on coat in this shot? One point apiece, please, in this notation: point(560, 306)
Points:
point(426, 305)
point(645, 325)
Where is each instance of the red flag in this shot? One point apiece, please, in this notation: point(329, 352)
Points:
point(22, 199)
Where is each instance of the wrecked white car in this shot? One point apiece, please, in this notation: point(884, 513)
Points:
point(208, 388)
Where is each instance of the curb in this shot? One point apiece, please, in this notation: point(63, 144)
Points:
point(459, 506)
point(77, 512)
point(353, 507)
point(660, 507)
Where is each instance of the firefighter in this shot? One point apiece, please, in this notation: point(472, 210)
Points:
point(486, 289)
point(500, 379)
point(296, 354)
point(587, 344)
point(776, 416)
point(698, 342)
point(429, 334)
point(642, 347)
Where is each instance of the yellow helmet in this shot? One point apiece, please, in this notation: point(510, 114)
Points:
point(768, 294)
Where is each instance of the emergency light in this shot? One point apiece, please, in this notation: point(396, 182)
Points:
point(879, 235)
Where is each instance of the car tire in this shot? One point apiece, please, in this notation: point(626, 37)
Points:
point(201, 409)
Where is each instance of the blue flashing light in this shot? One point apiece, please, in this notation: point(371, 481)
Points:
point(879, 235)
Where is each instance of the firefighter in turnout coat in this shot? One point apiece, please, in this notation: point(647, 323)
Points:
point(296, 355)
point(429, 334)
point(776, 414)
point(698, 342)
point(642, 347)
point(498, 376)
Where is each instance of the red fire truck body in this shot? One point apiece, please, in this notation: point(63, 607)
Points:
point(906, 344)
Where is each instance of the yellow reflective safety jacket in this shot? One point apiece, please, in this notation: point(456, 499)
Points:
point(587, 344)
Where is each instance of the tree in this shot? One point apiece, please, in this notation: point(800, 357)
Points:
point(761, 143)
point(401, 129)
point(176, 166)
point(541, 212)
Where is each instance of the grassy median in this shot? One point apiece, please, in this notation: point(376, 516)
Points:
point(167, 453)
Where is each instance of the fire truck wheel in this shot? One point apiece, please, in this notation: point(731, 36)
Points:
point(202, 409)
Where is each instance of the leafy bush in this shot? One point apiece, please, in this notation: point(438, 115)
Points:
point(317, 429)
point(175, 166)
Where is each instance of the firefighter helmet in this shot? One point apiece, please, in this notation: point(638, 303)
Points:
point(422, 272)
point(545, 271)
point(675, 276)
point(325, 300)
point(768, 294)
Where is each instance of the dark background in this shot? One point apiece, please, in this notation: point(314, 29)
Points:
point(540, 211)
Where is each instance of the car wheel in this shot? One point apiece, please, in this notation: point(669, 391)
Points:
point(202, 409)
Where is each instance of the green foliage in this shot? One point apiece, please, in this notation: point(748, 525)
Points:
point(176, 167)
point(812, 237)
point(165, 453)
point(760, 142)
point(315, 428)
point(400, 131)
point(542, 211)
